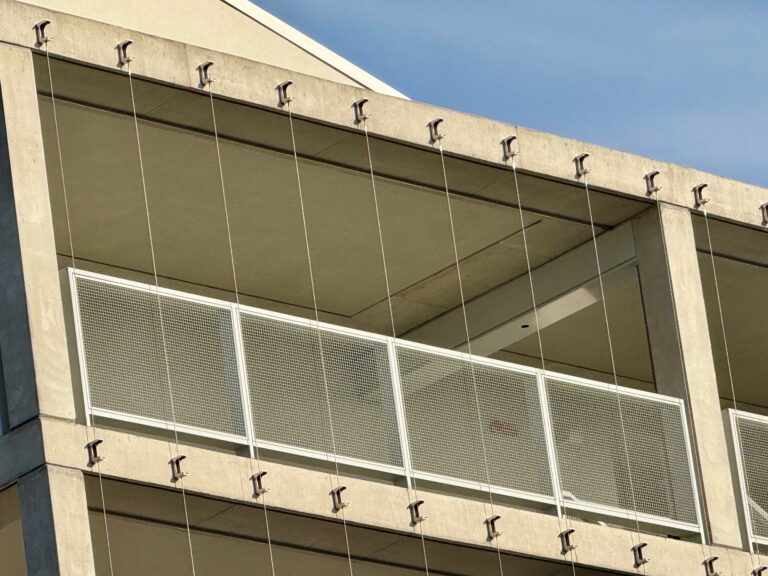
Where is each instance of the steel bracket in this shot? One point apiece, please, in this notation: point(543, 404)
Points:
point(338, 503)
point(490, 526)
point(283, 99)
point(93, 452)
point(204, 71)
point(507, 148)
point(709, 566)
point(566, 543)
point(415, 511)
point(637, 552)
point(360, 115)
point(258, 486)
point(176, 472)
point(41, 39)
point(434, 131)
point(650, 183)
point(764, 213)
point(698, 195)
point(581, 170)
point(759, 570)
point(122, 53)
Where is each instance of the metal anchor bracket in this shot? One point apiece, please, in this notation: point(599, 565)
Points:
point(637, 552)
point(205, 77)
point(414, 509)
point(581, 170)
point(40, 37)
point(122, 53)
point(709, 566)
point(507, 148)
point(258, 486)
point(698, 195)
point(360, 115)
point(490, 525)
point(176, 471)
point(764, 213)
point(759, 570)
point(93, 452)
point(338, 503)
point(650, 183)
point(434, 131)
point(566, 542)
point(283, 99)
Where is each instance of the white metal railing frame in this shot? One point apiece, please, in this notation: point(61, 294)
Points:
point(556, 499)
point(749, 506)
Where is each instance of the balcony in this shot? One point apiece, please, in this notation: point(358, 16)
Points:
point(318, 393)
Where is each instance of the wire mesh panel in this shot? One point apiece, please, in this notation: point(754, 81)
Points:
point(288, 396)
point(753, 437)
point(444, 430)
point(125, 359)
point(592, 462)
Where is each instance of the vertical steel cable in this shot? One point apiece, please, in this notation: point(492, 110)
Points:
point(225, 205)
point(364, 122)
point(469, 346)
point(160, 314)
point(317, 325)
point(538, 336)
point(613, 360)
point(706, 540)
point(721, 316)
point(74, 268)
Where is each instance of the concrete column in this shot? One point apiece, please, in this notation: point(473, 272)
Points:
point(32, 333)
point(674, 300)
point(54, 519)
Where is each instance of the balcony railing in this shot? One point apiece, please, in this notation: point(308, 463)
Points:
point(252, 377)
point(749, 433)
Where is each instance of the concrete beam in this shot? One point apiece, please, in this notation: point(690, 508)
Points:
point(563, 286)
point(382, 505)
point(54, 518)
point(32, 335)
point(393, 118)
point(682, 353)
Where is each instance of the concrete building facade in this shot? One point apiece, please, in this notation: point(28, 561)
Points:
point(261, 313)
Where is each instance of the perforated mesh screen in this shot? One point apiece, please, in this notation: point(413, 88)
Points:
point(288, 393)
point(753, 437)
point(444, 429)
point(591, 457)
point(126, 363)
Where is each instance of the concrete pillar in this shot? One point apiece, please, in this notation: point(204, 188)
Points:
point(678, 293)
point(54, 520)
point(32, 333)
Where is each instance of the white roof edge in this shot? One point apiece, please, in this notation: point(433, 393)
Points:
point(315, 48)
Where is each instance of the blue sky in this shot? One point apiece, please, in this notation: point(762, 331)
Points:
point(679, 80)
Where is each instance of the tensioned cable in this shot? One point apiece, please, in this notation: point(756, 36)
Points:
point(317, 325)
point(613, 360)
point(538, 328)
point(160, 314)
point(364, 122)
point(469, 345)
point(706, 540)
point(729, 369)
point(237, 302)
point(74, 268)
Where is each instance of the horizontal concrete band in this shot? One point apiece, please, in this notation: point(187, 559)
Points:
point(376, 504)
point(326, 101)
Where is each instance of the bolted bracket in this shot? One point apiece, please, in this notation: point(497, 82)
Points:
point(338, 503)
point(360, 115)
point(637, 552)
point(507, 148)
point(258, 487)
point(566, 543)
point(176, 471)
point(698, 195)
point(434, 131)
point(283, 99)
point(122, 53)
point(41, 39)
point(764, 213)
point(204, 71)
point(759, 570)
point(650, 183)
point(416, 517)
point(93, 452)
point(709, 566)
point(581, 170)
point(490, 526)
